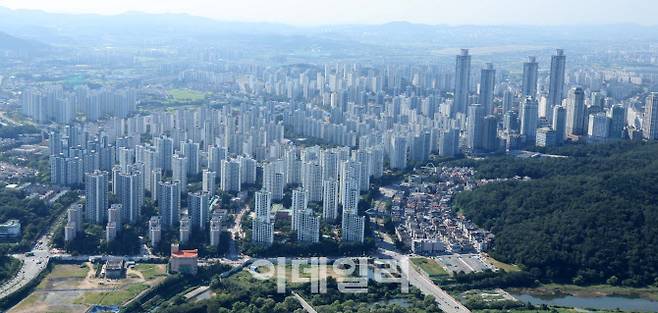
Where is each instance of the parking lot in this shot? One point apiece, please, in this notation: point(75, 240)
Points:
point(467, 263)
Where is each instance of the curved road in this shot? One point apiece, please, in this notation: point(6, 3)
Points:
point(34, 262)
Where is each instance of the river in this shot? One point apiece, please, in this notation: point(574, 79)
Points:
point(602, 303)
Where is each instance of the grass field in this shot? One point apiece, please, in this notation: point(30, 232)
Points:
point(115, 297)
point(650, 293)
point(501, 265)
point(151, 271)
point(430, 266)
point(64, 274)
point(186, 95)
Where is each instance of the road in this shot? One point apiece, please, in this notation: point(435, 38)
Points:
point(446, 302)
point(34, 262)
point(304, 304)
point(236, 233)
point(5, 120)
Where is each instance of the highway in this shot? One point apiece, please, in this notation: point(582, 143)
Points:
point(34, 262)
point(445, 301)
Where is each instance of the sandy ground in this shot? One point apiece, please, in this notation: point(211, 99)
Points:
point(64, 288)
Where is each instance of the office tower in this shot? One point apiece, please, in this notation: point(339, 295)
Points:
point(556, 83)
point(169, 203)
point(350, 176)
point(462, 82)
point(55, 146)
point(312, 180)
point(476, 115)
point(559, 123)
point(90, 161)
point(376, 156)
point(113, 226)
point(576, 112)
point(58, 170)
point(190, 150)
point(449, 142)
point(208, 182)
point(155, 231)
point(599, 127)
point(128, 192)
point(419, 149)
point(262, 203)
point(66, 171)
point(230, 179)
point(215, 230)
point(597, 99)
point(508, 100)
point(351, 204)
point(363, 158)
point(273, 180)
point(398, 153)
point(164, 146)
point(74, 171)
point(308, 226)
point(150, 159)
point(650, 121)
point(262, 225)
point(116, 170)
point(179, 170)
point(617, 121)
point(96, 197)
point(490, 134)
point(156, 177)
point(529, 119)
point(126, 156)
point(293, 171)
point(215, 156)
point(262, 231)
point(487, 84)
point(353, 227)
point(184, 229)
point(298, 205)
point(247, 170)
point(198, 209)
point(329, 162)
point(330, 200)
point(529, 83)
point(137, 170)
point(546, 137)
point(106, 157)
point(73, 222)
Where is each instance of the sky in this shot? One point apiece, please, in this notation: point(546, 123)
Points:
point(324, 12)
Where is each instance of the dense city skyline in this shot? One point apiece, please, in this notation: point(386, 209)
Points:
point(173, 163)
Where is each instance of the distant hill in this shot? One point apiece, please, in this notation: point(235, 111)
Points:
point(136, 28)
point(8, 42)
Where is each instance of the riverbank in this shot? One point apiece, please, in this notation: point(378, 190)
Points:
point(559, 290)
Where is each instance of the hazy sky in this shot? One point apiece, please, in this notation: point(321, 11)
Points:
point(313, 12)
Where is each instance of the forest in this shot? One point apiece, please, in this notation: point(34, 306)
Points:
point(34, 215)
point(588, 218)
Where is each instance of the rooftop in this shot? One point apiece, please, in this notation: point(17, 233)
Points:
point(185, 253)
